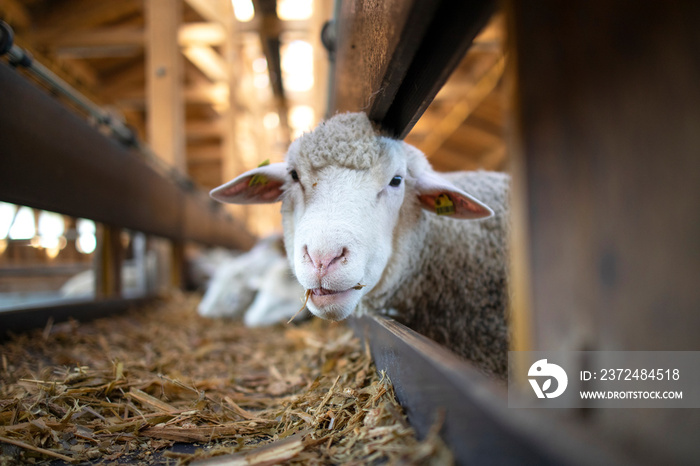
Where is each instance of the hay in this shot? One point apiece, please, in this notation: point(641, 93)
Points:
point(125, 389)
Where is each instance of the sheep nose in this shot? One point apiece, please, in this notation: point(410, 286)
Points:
point(324, 261)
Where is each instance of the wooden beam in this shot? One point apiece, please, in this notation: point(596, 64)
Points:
point(232, 163)
point(129, 40)
point(110, 255)
point(46, 147)
point(104, 36)
point(164, 82)
point(204, 154)
point(472, 135)
point(215, 11)
point(210, 94)
point(208, 61)
point(77, 15)
point(124, 81)
point(15, 14)
point(463, 108)
point(81, 70)
point(213, 34)
point(477, 425)
point(206, 175)
point(606, 115)
point(393, 57)
point(204, 129)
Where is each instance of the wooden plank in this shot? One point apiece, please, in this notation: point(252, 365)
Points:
point(208, 61)
point(53, 160)
point(204, 129)
point(204, 153)
point(188, 34)
point(115, 35)
point(478, 426)
point(367, 35)
point(110, 255)
point(26, 319)
point(164, 82)
point(463, 108)
point(76, 15)
point(205, 33)
point(15, 14)
point(193, 94)
point(607, 109)
point(232, 162)
point(211, 10)
point(393, 57)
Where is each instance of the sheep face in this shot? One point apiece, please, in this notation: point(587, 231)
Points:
point(347, 195)
point(339, 225)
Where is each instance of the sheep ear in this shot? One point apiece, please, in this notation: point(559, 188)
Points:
point(441, 197)
point(262, 185)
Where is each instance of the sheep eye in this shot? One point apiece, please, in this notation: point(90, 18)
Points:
point(395, 181)
point(295, 175)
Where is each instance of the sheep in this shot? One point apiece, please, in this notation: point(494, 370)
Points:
point(369, 226)
point(277, 299)
point(257, 285)
point(230, 291)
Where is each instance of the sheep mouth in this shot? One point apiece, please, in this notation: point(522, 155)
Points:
point(325, 292)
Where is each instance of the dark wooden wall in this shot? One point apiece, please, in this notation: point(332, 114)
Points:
point(608, 117)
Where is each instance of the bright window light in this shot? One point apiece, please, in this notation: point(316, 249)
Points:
point(261, 81)
point(298, 66)
point(271, 120)
point(7, 215)
point(51, 224)
point(243, 10)
point(208, 61)
point(24, 227)
point(260, 65)
point(301, 118)
point(86, 244)
point(51, 229)
point(87, 241)
point(85, 226)
point(289, 10)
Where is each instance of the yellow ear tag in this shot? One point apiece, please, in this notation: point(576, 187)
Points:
point(444, 205)
point(259, 179)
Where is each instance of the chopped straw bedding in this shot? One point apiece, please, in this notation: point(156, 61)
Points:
point(133, 389)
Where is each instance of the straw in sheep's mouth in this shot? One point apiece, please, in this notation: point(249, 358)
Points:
point(323, 292)
point(320, 292)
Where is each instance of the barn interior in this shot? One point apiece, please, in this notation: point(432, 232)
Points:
point(117, 118)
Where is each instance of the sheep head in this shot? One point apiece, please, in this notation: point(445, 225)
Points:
point(347, 193)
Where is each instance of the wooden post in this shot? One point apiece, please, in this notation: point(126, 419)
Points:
point(231, 161)
point(108, 269)
point(177, 264)
point(165, 111)
point(608, 107)
point(164, 84)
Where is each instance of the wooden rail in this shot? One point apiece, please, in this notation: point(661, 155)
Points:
point(434, 385)
point(54, 160)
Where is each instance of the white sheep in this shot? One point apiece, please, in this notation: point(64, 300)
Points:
point(369, 226)
point(233, 285)
point(277, 298)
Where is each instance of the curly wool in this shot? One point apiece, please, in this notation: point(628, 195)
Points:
point(448, 279)
point(346, 140)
